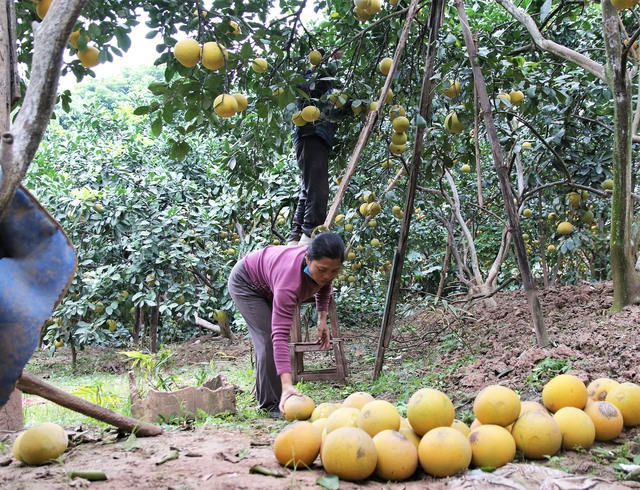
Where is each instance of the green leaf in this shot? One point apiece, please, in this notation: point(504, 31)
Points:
point(156, 127)
point(330, 482)
point(123, 39)
point(142, 110)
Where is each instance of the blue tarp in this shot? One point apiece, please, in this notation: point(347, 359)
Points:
point(37, 264)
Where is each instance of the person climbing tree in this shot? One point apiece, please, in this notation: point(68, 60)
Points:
point(313, 141)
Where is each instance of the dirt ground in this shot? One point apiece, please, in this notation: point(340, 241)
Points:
point(501, 345)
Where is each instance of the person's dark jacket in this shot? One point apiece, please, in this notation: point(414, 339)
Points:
point(319, 83)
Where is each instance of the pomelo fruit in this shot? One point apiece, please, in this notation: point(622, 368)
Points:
point(397, 456)
point(378, 415)
point(606, 419)
point(626, 397)
point(444, 451)
point(537, 435)
point(497, 405)
point(429, 408)
point(298, 407)
point(565, 390)
point(578, 430)
point(297, 445)
point(349, 453)
point(491, 446)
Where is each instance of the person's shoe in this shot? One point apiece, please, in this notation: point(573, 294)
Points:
point(304, 240)
point(274, 414)
point(292, 243)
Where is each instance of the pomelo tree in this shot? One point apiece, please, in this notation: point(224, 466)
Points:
point(618, 71)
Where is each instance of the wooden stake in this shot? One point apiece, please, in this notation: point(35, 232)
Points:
point(33, 386)
point(393, 291)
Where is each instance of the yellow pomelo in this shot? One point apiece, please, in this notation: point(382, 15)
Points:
point(320, 424)
point(537, 435)
point(187, 52)
point(409, 433)
point(444, 451)
point(16, 447)
point(385, 65)
point(429, 408)
point(297, 445)
point(452, 124)
point(606, 419)
point(527, 213)
point(225, 105)
point(73, 38)
point(41, 443)
point(397, 111)
point(360, 398)
point(578, 430)
point(89, 57)
point(574, 199)
point(322, 411)
point(598, 389)
point(297, 119)
point(461, 427)
point(453, 89)
point(626, 396)
point(497, 405)
point(236, 28)
point(608, 185)
point(531, 406)
point(310, 113)
point(298, 407)
point(466, 168)
point(551, 249)
point(214, 55)
point(349, 453)
point(504, 99)
point(374, 7)
point(389, 97)
point(565, 390)
point(242, 101)
point(516, 97)
point(259, 65)
point(400, 124)
point(397, 149)
point(43, 7)
point(315, 57)
point(399, 138)
point(378, 415)
point(374, 209)
point(342, 417)
point(491, 446)
point(397, 456)
point(624, 4)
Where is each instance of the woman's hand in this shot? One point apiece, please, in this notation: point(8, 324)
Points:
point(324, 337)
point(287, 390)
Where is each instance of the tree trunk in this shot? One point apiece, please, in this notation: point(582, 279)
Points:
point(426, 96)
point(19, 144)
point(625, 278)
point(445, 267)
point(505, 183)
point(153, 327)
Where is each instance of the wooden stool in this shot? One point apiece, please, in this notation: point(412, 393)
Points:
point(298, 347)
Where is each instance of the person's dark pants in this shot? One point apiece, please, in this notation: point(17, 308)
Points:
point(312, 153)
point(257, 310)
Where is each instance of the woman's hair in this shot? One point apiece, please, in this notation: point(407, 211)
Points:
point(326, 245)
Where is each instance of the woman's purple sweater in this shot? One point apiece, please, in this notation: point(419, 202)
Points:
point(278, 273)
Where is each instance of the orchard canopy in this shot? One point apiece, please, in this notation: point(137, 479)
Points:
point(163, 178)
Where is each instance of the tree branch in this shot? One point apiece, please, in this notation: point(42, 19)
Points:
point(20, 143)
point(545, 44)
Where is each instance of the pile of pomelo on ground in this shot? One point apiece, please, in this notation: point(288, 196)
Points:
point(362, 436)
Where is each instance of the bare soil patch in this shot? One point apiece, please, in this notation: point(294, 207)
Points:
point(472, 348)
